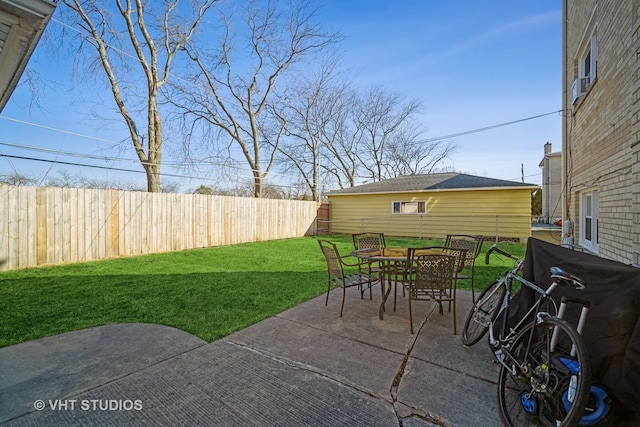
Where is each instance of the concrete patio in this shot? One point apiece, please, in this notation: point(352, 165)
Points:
point(304, 366)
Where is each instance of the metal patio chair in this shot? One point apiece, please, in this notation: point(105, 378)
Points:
point(473, 246)
point(336, 275)
point(368, 241)
point(433, 279)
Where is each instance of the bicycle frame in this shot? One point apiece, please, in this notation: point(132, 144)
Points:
point(501, 343)
point(546, 367)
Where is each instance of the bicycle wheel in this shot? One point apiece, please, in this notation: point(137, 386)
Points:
point(551, 386)
point(484, 311)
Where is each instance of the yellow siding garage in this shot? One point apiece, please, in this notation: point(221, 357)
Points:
point(503, 211)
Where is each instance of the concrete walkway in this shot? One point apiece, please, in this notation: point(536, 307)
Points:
point(305, 366)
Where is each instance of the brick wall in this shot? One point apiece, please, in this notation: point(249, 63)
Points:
point(603, 126)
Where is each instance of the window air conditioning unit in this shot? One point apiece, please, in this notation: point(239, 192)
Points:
point(579, 88)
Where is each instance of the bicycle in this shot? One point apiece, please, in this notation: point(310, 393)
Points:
point(545, 374)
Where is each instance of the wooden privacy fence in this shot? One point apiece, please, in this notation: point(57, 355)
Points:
point(55, 225)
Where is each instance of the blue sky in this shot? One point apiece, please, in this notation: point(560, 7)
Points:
point(471, 64)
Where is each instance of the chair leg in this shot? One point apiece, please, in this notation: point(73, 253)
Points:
point(455, 296)
point(326, 301)
point(473, 292)
point(410, 316)
point(344, 294)
point(395, 294)
point(454, 318)
point(402, 279)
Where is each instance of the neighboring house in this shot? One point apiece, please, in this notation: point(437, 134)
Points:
point(551, 166)
point(434, 205)
point(21, 25)
point(601, 127)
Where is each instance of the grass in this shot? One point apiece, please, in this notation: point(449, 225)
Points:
point(209, 293)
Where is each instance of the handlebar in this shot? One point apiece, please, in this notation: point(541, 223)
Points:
point(494, 248)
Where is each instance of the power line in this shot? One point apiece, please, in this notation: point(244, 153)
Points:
point(58, 130)
point(111, 168)
point(76, 164)
point(66, 153)
point(423, 141)
point(467, 132)
point(173, 165)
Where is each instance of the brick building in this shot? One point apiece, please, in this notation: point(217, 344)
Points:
point(601, 127)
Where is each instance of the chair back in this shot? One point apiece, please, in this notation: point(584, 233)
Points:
point(461, 254)
point(368, 241)
point(469, 247)
point(471, 244)
point(436, 271)
point(332, 256)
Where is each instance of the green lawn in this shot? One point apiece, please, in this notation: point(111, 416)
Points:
point(209, 293)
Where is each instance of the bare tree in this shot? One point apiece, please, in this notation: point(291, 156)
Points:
point(350, 134)
point(155, 32)
point(64, 180)
point(342, 142)
point(17, 179)
point(234, 94)
point(408, 155)
point(314, 114)
point(381, 115)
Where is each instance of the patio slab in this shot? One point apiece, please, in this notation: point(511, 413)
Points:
point(227, 385)
point(65, 365)
point(304, 366)
point(448, 397)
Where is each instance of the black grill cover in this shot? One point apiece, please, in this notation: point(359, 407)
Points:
point(612, 331)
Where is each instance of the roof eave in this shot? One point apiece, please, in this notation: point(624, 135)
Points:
point(436, 190)
point(26, 20)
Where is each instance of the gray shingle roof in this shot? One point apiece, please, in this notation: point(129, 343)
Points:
point(433, 181)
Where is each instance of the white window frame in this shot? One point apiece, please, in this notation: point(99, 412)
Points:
point(589, 219)
point(591, 52)
point(588, 48)
point(412, 207)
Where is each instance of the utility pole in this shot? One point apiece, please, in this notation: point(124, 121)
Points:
point(522, 171)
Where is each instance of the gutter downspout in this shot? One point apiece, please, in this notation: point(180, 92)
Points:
point(565, 178)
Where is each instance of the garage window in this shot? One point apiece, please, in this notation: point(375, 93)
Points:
point(415, 207)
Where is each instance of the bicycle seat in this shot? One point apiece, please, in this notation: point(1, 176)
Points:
point(561, 277)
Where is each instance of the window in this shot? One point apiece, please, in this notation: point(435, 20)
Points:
point(589, 220)
point(588, 65)
point(586, 61)
point(419, 207)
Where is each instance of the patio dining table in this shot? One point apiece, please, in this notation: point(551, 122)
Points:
point(393, 263)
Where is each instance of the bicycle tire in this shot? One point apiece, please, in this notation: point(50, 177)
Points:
point(540, 394)
point(483, 312)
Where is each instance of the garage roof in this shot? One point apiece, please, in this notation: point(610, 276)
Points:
point(432, 182)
